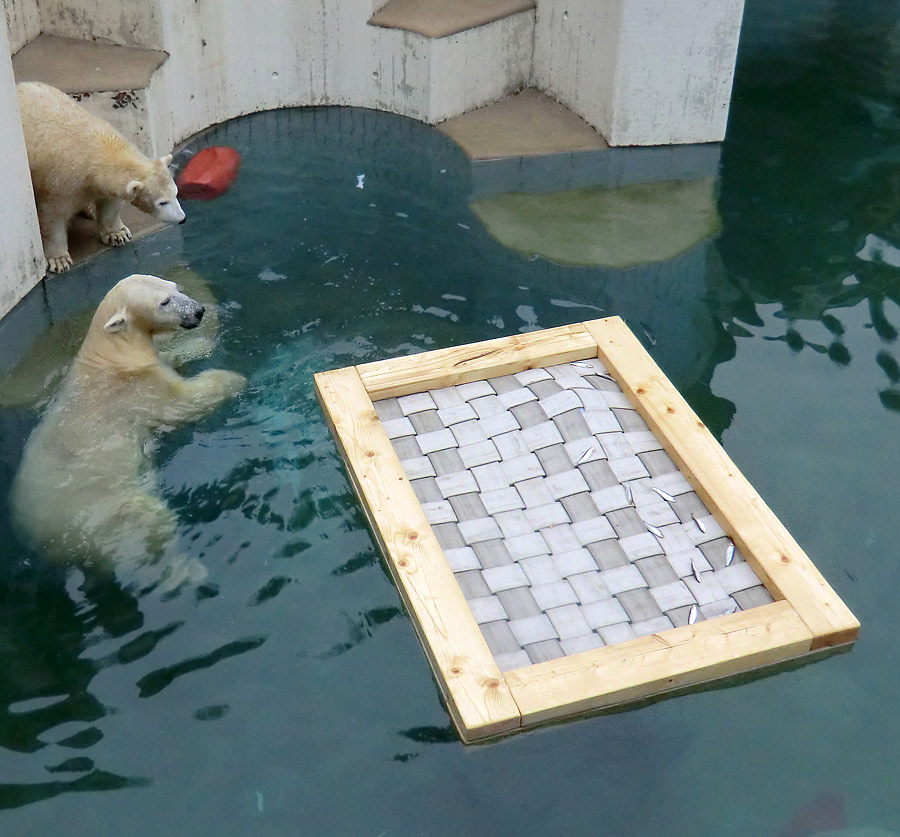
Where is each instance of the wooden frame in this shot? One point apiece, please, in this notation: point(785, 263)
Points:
point(807, 615)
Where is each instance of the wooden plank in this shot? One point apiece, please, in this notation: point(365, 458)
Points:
point(651, 665)
point(776, 557)
point(473, 686)
point(476, 361)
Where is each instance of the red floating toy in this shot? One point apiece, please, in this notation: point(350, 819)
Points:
point(209, 173)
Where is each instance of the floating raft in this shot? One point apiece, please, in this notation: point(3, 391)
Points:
point(565, 532)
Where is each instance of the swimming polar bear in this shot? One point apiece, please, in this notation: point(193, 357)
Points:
point(35, 378)
point(79, 163)
point(84, 490)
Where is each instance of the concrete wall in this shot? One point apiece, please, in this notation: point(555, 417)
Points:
point(643, 72)
point(127, 22)
point(21, 256)
point(243, 57)
point(23, 22)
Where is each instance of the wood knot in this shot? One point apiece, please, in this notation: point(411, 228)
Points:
point(493, 683)
point(456, 670)
point(640, 390)
point(373, 416)
point(412, 536)
point(784, 559)
point(403, 563)
point(670, 410)
point(369, 454)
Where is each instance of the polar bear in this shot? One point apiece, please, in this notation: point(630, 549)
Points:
point(79, 163)
point(84, 490)
point(35, 378)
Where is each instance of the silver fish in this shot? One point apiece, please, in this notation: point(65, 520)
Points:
point(692, 616)
point(664, 494)
point(583, 363)
point(628, 495)
point(585, 455)
point(696, 571)
point(729, 554)
point(700, 524)
point(653, 530)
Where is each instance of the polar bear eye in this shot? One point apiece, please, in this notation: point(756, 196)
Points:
point(163, 203)
point(165, 302)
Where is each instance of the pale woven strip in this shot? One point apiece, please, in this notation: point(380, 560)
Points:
point(565, 523)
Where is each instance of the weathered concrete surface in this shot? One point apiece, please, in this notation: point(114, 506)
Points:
point(524, 124)
point(21, 254)
point(78, 66)
point(233, 58)
point(439, 18)
point(640, 71)
point(128, 22)
point(23, 22)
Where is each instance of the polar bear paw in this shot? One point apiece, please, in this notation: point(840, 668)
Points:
point(182, 572)
point(117, 238)
point(59, 264)
point(230, 383)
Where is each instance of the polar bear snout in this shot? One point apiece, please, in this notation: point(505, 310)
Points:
point(193, 320)
point(169, 211)
point(190, 312)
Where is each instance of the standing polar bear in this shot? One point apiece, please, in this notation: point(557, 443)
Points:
point(84, 489)
point(80, 163)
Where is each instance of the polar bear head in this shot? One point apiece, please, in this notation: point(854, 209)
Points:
point(149, 305)
point(155, 193)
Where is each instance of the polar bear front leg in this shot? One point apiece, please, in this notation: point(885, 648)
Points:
point(55, 239)
point(112, 231)
point(192, 398)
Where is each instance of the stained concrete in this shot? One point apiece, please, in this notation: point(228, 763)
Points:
point(76, 66)
point(524, 124)
point(84, 242)
point(440, 18)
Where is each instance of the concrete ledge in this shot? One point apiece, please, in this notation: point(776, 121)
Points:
point(439, 18)
point(524, 124)
point(76, 66)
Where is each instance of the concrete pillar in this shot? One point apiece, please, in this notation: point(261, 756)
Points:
point(23, 22)
point(643, 72)
point(21, 254)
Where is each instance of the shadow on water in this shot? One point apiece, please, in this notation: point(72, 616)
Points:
point(834, 242)
point(45, 698)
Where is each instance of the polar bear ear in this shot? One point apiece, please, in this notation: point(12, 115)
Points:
point(116, 322)
point(133, 188)
point(164, 161)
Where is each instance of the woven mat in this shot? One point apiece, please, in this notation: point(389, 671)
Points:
point(566, 524)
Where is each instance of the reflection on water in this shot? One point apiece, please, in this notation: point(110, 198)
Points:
point(290, 687)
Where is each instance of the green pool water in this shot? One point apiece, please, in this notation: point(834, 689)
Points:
point(290, 695)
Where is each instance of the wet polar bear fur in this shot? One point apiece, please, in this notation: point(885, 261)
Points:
point(84, 490)
point(80, 163)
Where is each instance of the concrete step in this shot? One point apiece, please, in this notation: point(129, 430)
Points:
point(443, 76)
point(109, 80)
point(440, 18)
point(525, 124)
point(529, 143)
